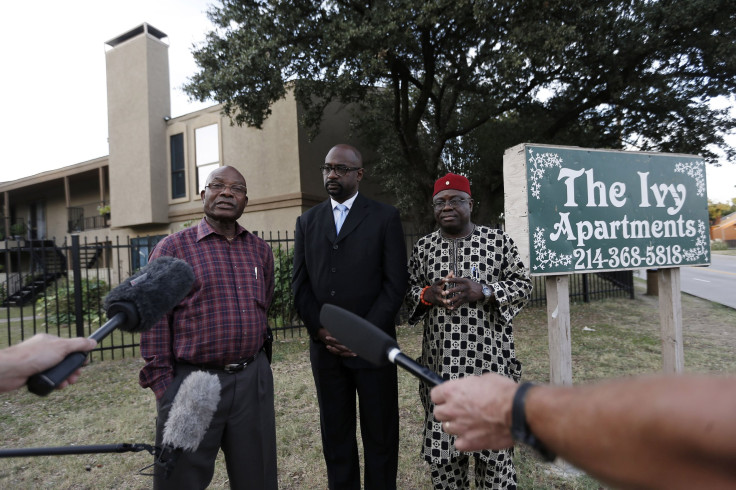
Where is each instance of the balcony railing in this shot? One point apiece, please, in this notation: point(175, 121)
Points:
point(90, 216)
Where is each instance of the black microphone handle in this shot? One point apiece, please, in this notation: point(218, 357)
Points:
point(421, 372)
point(44, 383)
point(66, 450)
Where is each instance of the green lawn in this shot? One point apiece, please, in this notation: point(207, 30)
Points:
point(609, 338)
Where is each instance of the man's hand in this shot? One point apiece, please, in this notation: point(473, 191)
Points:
point(35, 355)
point(462, 290)
point(435, 293)
point(333, 345)
point(477, 409)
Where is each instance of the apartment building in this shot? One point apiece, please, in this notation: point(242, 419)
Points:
point(149, 184)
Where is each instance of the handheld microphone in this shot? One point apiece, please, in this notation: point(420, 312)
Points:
point(189, 418)
point(134, 306)
point(370, 342)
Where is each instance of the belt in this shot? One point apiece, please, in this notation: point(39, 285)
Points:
point(234, 367)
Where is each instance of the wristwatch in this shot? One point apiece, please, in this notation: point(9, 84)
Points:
point(520, 430)
point(487, 293)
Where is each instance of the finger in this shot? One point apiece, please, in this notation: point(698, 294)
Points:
point(337, 345)
point(438, 397)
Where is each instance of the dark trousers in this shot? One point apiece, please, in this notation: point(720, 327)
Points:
point(244, 426)
point(377, 391)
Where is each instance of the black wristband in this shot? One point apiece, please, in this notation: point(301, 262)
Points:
point(520, 430)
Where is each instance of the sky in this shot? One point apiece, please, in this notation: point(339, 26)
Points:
point(53, 87)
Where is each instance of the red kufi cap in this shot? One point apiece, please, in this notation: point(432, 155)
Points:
point(452, 181)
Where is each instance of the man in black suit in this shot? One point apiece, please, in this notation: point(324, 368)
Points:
point(363, 269)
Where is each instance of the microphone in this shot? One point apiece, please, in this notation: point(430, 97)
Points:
point(134, 306)
point(370, 342)
point(189, 418)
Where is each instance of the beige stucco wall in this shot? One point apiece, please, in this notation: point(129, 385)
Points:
point(138, 99)
point(279, 163)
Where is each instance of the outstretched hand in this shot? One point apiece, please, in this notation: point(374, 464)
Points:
point(476, 409)
point(35, 355)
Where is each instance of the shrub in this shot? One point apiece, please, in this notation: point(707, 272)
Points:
point(718, 245)
point(282, 312)
point(60, 305)
point(18, 229)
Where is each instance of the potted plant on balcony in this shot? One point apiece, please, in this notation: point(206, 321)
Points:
point(18, 230)
point(104, 210)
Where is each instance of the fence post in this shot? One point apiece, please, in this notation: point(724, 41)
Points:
point(77, 270)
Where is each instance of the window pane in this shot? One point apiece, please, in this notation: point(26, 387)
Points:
point(140, 248)
point(178, 180)
point(177, 151)
point(206, 144)
point(178, 184)
point(203, 172)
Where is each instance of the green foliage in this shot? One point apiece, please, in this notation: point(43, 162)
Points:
point(423, 77)
point(718, 209)
point(718, 245)
point(282, 312)
point(62, 301)
point(18, 229)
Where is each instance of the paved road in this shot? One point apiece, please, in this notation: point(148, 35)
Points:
point(716, 282)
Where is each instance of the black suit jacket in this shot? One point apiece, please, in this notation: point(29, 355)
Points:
point(363, 270)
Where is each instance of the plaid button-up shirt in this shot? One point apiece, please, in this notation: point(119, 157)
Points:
point(224, 317)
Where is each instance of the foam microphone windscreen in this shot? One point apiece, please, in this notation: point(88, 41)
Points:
point(154, 290)
point(191, 411)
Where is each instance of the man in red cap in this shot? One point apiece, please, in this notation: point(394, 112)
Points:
point(467, 283)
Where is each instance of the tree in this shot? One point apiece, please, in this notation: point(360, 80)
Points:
point(431, 78)
point(719, 209)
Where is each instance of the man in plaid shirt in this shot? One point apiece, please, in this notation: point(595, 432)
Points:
point(220, 327)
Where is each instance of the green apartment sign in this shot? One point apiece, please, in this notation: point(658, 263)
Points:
point(597, 210)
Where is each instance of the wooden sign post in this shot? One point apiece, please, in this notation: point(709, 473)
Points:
point(670, 319)
point(577, 210)
point(558, 329)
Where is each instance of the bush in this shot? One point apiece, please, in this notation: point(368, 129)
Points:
point(18, 229)
point(282, 312)
point(718, 245)
point(59, 307)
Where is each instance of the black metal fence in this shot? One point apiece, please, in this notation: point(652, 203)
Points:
point(59, 288)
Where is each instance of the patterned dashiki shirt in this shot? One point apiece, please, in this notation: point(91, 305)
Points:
point(475, 338)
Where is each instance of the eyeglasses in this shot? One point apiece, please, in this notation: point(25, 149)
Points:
point(238, 190)
point(340, 170)
point(453, 203)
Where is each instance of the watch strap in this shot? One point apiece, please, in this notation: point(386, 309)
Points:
point(520, 430)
